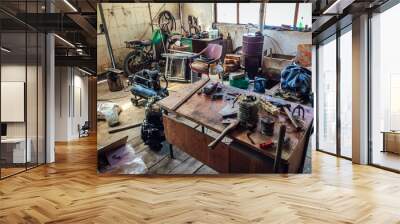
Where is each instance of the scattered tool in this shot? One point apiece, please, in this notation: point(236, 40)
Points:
point(232, 124)
point(123, 128)
point(217, 96)
point(286, 108)
point(234, 100)
point(210, 88)
point(300, 111)
point(233, 94)
point(267, 145)
point(249, 137)
point(269, 107)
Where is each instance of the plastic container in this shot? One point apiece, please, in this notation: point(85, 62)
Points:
point(213, 34)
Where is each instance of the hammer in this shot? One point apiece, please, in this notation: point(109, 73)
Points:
point(232, 123)
point(286, 108)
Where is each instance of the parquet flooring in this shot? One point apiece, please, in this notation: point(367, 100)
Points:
point(70, 191)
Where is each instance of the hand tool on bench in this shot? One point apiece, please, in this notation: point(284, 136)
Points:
point(286, 108)
point(236, 99)
point(232, 123)
point(250, 138)
point(266, 145)
point(300, 111)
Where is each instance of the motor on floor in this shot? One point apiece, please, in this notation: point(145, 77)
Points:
point(152, 131)
point(146, 84)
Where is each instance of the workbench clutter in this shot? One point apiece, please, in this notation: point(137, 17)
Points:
point(188, 93)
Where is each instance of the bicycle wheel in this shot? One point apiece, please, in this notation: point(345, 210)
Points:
point(133, 63)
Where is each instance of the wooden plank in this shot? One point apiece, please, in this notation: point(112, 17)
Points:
point(167, 164)
point(189, 166)
point(205, 170)
point(185, 98)
point(123, 128)
point(175, 97)
point(114, 145)
point(150, 157)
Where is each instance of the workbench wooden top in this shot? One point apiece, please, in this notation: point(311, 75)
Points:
point(201, 109)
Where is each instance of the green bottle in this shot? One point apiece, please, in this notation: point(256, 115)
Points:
point(300, 25)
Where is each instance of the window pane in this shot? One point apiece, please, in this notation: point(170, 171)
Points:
point(327, 97)
point(305, 14)
point(249, 13)
point(346, 94)
point(277, 14)
point(226, 13)
point(385, 85)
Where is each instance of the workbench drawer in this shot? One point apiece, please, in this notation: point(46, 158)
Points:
point(195, 143)
point(242, 160)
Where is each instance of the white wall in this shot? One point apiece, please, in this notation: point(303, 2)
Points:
point(282, 42)
point(70, 83)
point(203, 11)
point(127, 21)
point(33, 126)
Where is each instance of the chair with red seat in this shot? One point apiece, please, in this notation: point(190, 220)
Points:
point(209, 55)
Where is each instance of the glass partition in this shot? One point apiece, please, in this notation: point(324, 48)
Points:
point(385, 89)
point(14, 69)
point(326, 102)
point(22, 77)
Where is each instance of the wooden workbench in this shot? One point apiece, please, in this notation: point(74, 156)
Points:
point(202, 110)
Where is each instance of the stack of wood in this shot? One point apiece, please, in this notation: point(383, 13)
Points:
point(231, 62)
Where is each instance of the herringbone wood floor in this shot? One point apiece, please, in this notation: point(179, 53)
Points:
point(70, 191)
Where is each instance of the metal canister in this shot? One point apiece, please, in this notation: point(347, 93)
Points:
point(252, 53)
point(267, 126)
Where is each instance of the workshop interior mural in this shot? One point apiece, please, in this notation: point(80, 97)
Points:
point(192, 88)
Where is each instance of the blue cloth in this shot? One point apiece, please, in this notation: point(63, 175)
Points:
point(296, 79)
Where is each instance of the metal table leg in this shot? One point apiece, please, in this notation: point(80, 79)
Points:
point(171, 151)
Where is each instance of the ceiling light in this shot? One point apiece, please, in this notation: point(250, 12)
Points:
point(70, 5)
point(64, 40)
point(84, 71)
point(338, 6)
point(5, 50)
